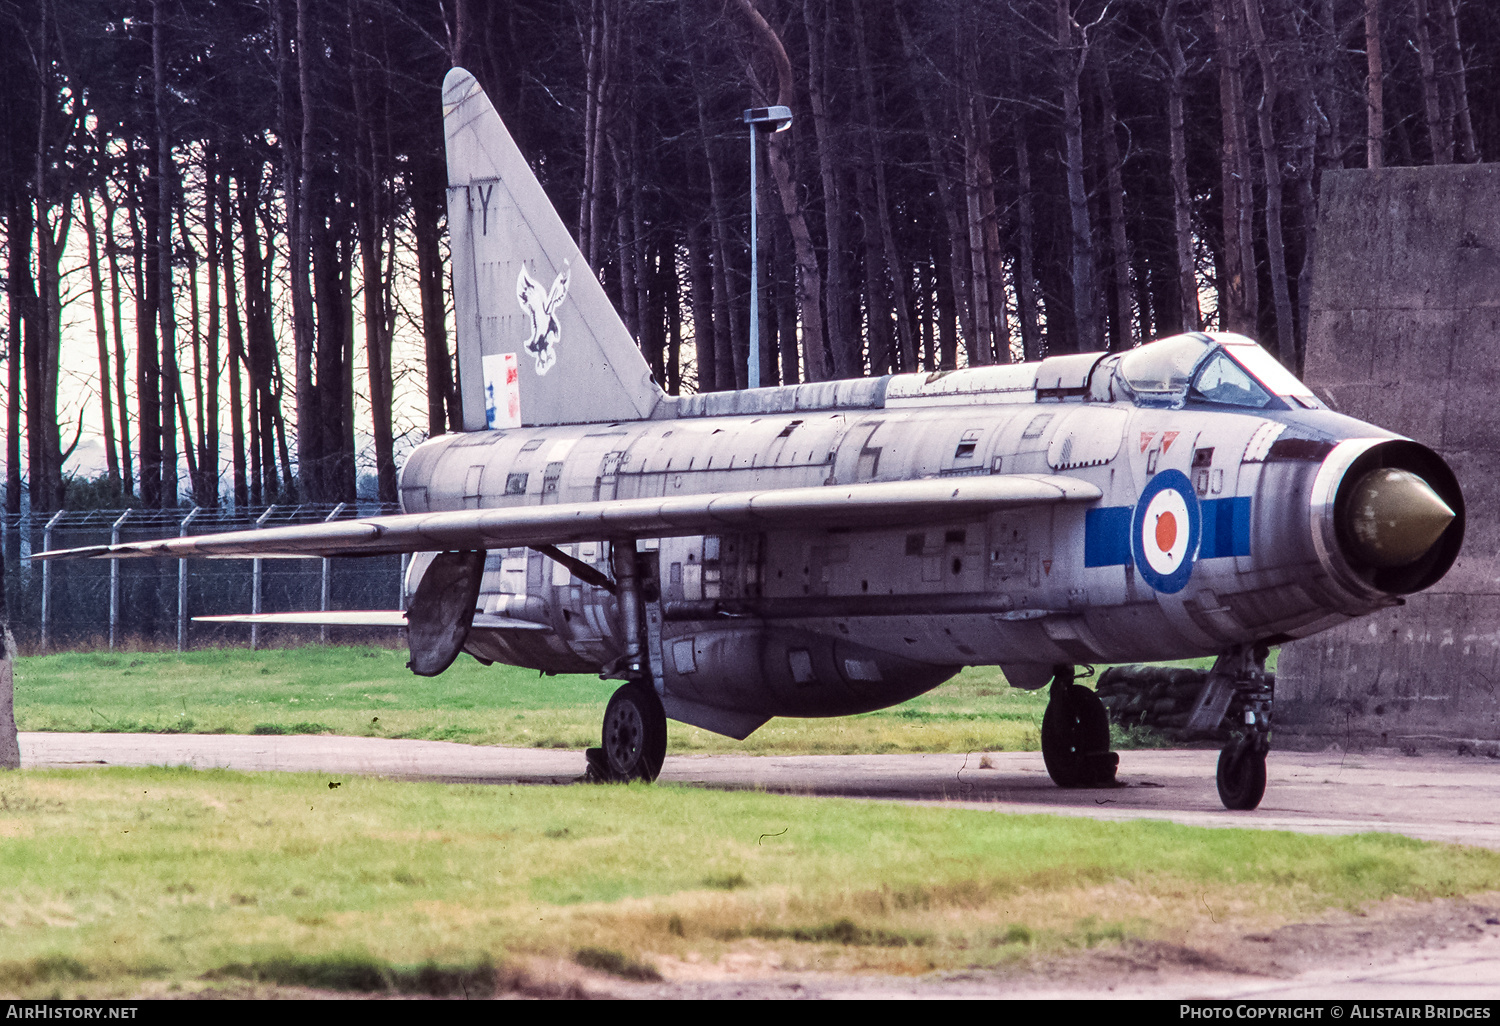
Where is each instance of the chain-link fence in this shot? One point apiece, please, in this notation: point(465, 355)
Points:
point(150, 603)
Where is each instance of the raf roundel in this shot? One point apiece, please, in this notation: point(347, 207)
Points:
point(1165, 530)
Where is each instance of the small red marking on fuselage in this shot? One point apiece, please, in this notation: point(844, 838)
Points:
point(1166, 531)
point(1167, 438)
point(1047, 567)
point(1146, 437)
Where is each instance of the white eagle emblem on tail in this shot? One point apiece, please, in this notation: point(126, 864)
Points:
point(542, 305)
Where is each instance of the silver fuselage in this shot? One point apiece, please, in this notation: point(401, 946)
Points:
point(881, 614)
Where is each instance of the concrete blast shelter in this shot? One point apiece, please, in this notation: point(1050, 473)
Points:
point(1404, 332)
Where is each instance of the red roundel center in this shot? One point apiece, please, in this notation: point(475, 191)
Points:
point(1166, 531)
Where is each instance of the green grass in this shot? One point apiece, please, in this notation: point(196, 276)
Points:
point(369, 692)
point(140, 881)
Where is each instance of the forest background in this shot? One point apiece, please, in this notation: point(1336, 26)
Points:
point(229, 214)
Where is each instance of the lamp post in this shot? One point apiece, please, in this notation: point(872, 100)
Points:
point(768, 119)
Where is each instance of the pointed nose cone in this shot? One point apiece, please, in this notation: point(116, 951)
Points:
point(1394, 517)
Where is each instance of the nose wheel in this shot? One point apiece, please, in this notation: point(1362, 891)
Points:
point(634, 742)
point(1242, 775)
point(1075, 735)
point(1242, 763)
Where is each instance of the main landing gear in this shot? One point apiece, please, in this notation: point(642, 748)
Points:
point(635, 737)
point(634, 742)
point(1075, 735)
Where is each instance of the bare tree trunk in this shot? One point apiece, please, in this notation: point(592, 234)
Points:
point(166, 314)
point(236, 349)
point(593, 78)
point(1448, 11)
point(1072, 59)
point(42, 350)
point(21, 304)
point(809, 277)
point(843, 337)
point(701, 289)
point(372, 214)
point(650, 325)
point(296, 145)
point(958, 258)
point(877, 306)
point(1270, 157)
point(1239, 298)
point(1026, 297)
point(1439, 128)
point(726, 313)
point(148, 384)
point(895, 273)
point(260, 345)
point(425, 184)
point(1123, 336)
point(1182, 197)
point(669, 287)
point(1374, 88)
point(111, 248)
point(194, 452)
point(208, 430)
point(624, 250)
point(947, 318)
point(981, 344)
point(101, 336)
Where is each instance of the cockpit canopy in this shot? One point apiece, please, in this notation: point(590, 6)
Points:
point(1221, 368)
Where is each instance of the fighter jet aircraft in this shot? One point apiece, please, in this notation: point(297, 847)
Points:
point(838, 547)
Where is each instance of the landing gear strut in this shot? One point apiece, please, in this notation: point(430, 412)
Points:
point(1242, 763)
point(634, 742)
point(1075, 735)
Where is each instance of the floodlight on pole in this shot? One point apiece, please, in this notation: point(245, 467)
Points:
point(760, 119)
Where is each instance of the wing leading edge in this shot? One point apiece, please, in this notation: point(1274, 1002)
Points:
point(881, 504)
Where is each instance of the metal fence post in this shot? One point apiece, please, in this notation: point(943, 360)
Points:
point(323, 604)
point(114, 580)
point(182, 585)
point(255, 588)
point(47, 578)
point(401, 586)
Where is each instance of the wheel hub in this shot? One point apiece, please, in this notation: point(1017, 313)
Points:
point(622, 737)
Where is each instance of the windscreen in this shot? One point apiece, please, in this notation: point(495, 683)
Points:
point(1267, 369)
point(1221, 380)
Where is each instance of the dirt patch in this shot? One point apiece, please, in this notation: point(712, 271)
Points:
point(1380, 935)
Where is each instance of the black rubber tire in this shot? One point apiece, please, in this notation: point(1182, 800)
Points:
point(1242, 775)
point(1075, 739)
point(635, 734)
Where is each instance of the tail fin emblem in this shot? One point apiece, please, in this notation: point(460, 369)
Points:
point(542, 305)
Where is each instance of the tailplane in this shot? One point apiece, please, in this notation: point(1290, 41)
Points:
point(538, 340)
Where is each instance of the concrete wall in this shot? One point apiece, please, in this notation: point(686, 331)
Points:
point(1405, 333)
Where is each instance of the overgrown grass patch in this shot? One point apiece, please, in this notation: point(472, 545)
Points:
point(113, 880)
point(368, 692)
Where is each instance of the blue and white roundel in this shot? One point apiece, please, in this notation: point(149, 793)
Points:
point(1165, 530)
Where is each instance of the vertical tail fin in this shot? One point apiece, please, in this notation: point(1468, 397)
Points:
point(538, 340)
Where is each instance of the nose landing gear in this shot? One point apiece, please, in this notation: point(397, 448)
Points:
point(1242, 763)
point(1075, 735)
point(1239, 681)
